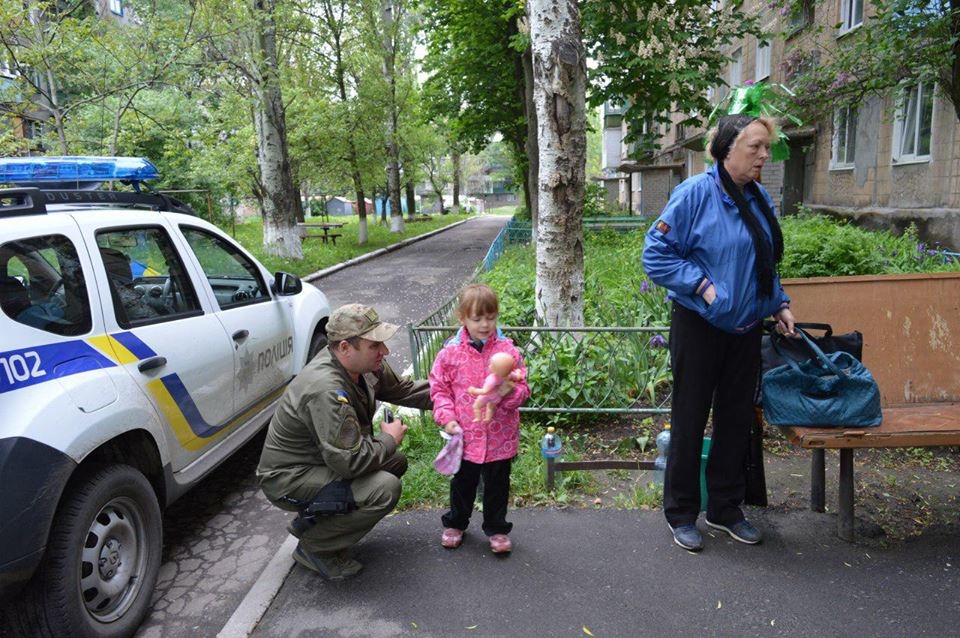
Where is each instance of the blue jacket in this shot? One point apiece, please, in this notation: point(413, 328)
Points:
point(699, 235)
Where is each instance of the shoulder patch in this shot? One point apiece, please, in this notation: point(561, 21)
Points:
point(342, 396)
point(349, 437)
point(662, 227)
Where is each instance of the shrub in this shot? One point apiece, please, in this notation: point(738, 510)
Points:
point(819, 246)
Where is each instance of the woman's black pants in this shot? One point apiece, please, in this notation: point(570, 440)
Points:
point(711, 368)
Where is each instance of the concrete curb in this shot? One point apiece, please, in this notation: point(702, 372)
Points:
point(254, 605)
point(320, 274)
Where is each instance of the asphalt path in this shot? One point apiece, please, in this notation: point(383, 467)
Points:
point(609, 572)
point(220, 536)
point(407, 284)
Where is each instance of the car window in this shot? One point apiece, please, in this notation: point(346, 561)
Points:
point(235, 279)
point(42, 285)
point(146, 276)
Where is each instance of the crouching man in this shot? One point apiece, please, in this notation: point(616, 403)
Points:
point(321, 457)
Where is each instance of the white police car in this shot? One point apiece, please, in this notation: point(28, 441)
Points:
point(140, 346)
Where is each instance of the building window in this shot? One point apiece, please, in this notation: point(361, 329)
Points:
point(736, 68)
point(911, 130)
point(762, 70)
point(6, 69)
point(116, 6)
point(800, 16)
point(844, 138)
point(798, 64)
point(851, 13)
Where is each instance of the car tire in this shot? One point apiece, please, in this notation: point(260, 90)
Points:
point(101, 563)
point(317, 343)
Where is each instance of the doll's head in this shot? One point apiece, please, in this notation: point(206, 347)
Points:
point(501, 364)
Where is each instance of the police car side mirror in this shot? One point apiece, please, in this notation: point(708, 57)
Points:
point(285, 284)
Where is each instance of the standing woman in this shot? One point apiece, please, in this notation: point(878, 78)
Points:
point(715, 247)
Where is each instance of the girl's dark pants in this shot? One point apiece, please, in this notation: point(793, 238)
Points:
point(710, 367)
point(496, 493)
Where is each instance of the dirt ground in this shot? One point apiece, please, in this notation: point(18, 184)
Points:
point(899, 493)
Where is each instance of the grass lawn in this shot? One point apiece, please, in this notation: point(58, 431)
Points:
point(318, 255)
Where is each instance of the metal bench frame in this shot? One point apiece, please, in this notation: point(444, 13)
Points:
point(904, 425)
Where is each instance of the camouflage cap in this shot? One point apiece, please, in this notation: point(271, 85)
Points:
point(357, 320)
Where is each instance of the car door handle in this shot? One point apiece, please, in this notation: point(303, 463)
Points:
point(151, 364)
point(240, 335)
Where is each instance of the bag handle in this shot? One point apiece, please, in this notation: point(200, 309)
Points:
point(776, 339)
point(768, 327)
point(824, 360)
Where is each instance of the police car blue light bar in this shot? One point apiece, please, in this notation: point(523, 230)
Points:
point(39, 170)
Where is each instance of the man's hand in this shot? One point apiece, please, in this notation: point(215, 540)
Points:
point(395, 428)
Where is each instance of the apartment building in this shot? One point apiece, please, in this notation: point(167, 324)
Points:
point(884, 162)
point(27, 123)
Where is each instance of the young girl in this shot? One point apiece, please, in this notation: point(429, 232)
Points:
point(488, 446)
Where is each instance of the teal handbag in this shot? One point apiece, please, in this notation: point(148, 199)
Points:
point(829, 390)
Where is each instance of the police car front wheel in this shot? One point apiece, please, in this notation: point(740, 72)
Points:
point(104, 556)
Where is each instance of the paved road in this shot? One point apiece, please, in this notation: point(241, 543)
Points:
point(408, 284)
point(220, 536)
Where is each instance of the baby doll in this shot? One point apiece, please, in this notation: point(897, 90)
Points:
point(501, 368)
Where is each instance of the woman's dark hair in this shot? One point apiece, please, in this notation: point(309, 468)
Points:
point(729, 128)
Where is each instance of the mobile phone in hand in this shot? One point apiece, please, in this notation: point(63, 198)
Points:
point(387, 415)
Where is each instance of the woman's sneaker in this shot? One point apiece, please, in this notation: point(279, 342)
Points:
point(742, 531)
point(452, 537)
point(687, 537)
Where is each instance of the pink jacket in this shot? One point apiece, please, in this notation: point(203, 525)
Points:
point(457, 367)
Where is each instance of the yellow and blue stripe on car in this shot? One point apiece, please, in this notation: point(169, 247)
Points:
point(31, 366)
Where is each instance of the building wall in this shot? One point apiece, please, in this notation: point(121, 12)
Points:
point(877, 187)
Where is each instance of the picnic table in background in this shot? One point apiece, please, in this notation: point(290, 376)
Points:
point(308, 230)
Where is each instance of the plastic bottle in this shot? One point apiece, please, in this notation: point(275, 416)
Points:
point(663, 448)
point(550, 446)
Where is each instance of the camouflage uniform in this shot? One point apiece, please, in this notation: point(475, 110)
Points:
point(322, 431)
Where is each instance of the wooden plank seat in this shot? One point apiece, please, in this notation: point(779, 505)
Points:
point(904, 425)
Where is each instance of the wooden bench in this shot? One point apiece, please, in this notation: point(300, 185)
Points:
point(909, 324)
point(325, 227)
point(905, 425)
point(325, 236)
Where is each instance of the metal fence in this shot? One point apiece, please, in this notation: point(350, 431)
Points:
point(573, 370)
point(516, 232)
point(609, 369)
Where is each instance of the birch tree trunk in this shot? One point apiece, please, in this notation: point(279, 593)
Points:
point(390, 27)
point(455, 158)
point(279, 200)
point(559, 73)
point(411, 200)
point(361, 212)
point(533, 154)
